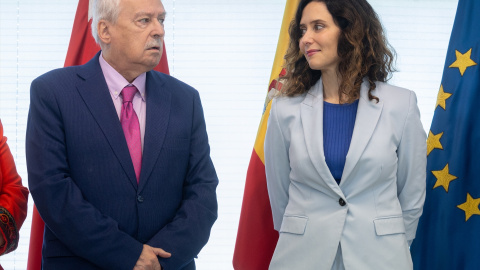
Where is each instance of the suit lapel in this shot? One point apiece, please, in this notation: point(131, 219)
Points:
point(94, 91)
point(311, 112)
point(158, 114)
point(368, 113)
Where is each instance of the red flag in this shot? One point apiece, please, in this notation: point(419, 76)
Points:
point(256, 238)
point(82, 48)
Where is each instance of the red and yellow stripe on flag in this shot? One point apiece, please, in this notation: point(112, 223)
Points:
point(256, 238)
point(81, 49)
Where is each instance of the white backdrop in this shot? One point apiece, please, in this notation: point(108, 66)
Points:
point(225, 49)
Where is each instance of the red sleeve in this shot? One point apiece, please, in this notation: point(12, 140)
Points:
point(13, 198)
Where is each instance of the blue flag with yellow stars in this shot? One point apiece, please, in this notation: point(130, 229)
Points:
point(448, 234)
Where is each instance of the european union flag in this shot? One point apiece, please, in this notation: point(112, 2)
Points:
point(448, 235)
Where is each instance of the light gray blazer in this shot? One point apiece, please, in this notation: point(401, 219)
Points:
point(374, 212)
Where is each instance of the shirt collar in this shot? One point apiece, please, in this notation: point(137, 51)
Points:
point(116, 82)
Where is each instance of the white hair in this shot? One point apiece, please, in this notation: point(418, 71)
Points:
point(104, 10)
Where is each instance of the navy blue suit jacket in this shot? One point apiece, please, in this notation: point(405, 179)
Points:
point(83, 183)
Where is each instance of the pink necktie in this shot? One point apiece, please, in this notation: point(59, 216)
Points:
point(131, 128)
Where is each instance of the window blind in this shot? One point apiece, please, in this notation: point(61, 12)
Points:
point(224, 49)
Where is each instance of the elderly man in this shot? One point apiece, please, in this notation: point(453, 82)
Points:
point(118, 158)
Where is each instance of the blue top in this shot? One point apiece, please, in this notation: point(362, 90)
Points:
point(338, 123)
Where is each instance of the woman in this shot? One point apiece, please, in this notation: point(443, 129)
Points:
point(13, 199)
point(345, 153)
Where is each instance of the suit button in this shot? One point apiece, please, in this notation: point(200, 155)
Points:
point(341, 202)
point(139, 198)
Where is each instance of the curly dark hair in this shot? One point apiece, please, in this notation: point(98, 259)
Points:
point(363, 50)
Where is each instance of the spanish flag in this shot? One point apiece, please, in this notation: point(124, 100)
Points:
point(81, 49)
point(256, 238)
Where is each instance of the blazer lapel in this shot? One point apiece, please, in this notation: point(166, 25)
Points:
point(368, 113)
point(158, 114)
point(94, 91)
point(311, 112)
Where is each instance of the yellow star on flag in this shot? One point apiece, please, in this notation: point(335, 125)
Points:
point(433, 141)
point(463, 61)
point(470, 207)
point(443, 178)
point(442, 97)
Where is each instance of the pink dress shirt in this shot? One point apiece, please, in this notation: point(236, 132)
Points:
point(116, 82)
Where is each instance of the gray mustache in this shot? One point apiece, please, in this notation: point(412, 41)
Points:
point(154, 44)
